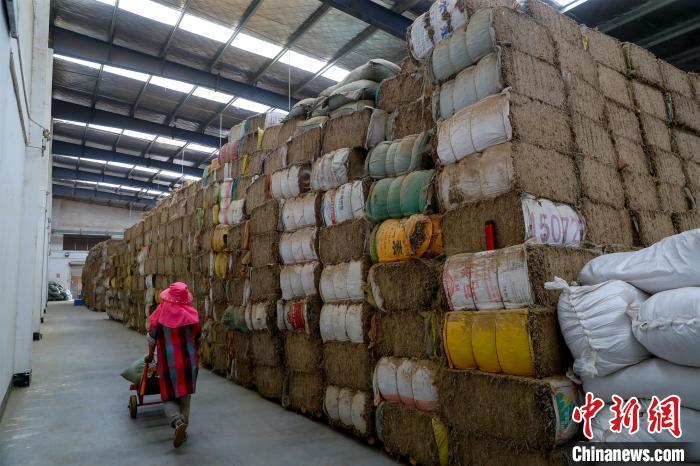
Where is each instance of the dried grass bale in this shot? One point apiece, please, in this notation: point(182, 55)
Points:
point(388, 282)
point(345, 242)
point(305, 392)
point(408, 432)
point(270, 382)
point(399, 90)
point(521, 409)
point(267, 349)
point(607, 225)
point(348, 365)
point(303, 353)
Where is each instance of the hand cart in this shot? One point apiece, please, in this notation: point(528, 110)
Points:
point(149, 385)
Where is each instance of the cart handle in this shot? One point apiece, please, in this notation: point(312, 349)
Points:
point(144, 376)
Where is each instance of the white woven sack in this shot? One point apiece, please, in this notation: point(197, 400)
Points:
point(673, 262)
point(596, 327)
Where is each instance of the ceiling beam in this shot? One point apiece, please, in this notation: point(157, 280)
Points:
point(82, 175)
point(91, 194)
point(76, 150)
point(634, 14)
point(70, 111)
point(164, 50)
point(69, 43)
point(247, 14)
point(374, 14)
point(670, 33)
point(308, 23)
point(352, 44)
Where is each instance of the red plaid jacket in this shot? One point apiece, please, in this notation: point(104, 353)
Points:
point(178, 359)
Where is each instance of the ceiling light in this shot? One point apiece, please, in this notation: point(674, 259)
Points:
point(139, 135)
point(335, 73)
point(108, 185)
point(143, 77)
point(89, 64)
point(120, 165)
point(145, 169)
point(69, 122)
point(84, 159)
point(192, 178)
point(250, 105)
point(107, 129)
point(154, 192)
point(93, 183)
point(302, 62)
point(201, 148)
point(205, 28)
point(169, 174)
point(130, 188)
point(152, 10)
point(210, 94)
point(171, 84)
point(257, 46)
point(170, 142)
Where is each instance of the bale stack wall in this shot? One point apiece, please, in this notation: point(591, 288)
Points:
point(330, 273)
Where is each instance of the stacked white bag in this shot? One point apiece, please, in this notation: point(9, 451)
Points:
point(630, 344)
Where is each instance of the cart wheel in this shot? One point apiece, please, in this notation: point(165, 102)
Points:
point(132, 406)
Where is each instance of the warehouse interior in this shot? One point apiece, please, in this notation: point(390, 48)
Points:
point(296, 164)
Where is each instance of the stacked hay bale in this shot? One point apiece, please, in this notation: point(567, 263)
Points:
point(266, 343)
point(509, 187)
point(298, 312)
point(550, 138)
point(405, 240)
point(651, 114)
point(89, 278)
point(338, 179)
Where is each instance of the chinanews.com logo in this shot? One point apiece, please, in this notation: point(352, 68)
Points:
point(661, 416)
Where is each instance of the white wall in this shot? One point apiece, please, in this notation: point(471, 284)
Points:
point(74, 217)
point(25, 160)
point(78, 216)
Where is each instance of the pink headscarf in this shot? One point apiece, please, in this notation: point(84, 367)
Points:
point(175, 310)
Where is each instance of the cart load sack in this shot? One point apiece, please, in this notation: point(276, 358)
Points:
point(668, 325)
point(596, 325)
point(673, 262)
point(134, 371)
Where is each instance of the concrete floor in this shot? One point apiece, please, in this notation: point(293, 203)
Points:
point(74, 412)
